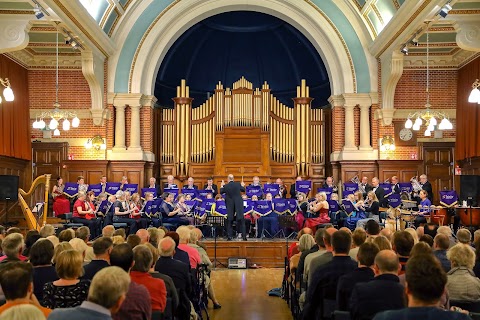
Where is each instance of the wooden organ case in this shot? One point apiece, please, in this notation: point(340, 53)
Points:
point(244, 131)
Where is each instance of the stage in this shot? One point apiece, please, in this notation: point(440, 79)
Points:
point(269, 253)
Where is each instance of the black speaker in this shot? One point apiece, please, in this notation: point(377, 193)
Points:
point(8, 188)
point(470, 189)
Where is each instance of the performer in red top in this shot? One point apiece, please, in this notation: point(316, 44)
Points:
point(319, 210)
point(84, 213)
point(61, 205)
point(135, 207)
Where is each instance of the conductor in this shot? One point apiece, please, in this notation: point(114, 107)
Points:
point(234, 203)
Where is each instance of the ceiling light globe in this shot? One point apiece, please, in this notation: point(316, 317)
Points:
point(431, 127)
point(416, 127)
point(66, 125)
point(474, 96)
point(8, 94)
point(41, 124)
point(433, 121)
point(75, 122)
point(408, 123)
point(418, 122)
point(427, 133)
point(56, 132)
point(53, 124)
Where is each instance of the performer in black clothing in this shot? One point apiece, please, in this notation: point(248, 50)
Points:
point(329, 183)
point(153, 185)
point(396, 186)
point(211, 186)
point(234, 202)
point(427, 186)
point(293, 192)
point(170, 183)
point(190, 184)
point(379, 192)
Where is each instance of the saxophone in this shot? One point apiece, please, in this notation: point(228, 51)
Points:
point(356, 180)
point(417, 187)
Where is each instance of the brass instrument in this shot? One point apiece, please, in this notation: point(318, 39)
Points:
point(387, 180)
point(417, 187)
point(356, 180)
point(32, 222)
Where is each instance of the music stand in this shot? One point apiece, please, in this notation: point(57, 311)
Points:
point(287, 221)
point(214, 222)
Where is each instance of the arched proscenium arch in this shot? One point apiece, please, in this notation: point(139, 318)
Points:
point(184, 14)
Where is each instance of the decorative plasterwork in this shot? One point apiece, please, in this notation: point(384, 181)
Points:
point(392, 70)
point(31, 61)
point(450, 61)
point(92, 68)
point(14, 32)
point(468, 32)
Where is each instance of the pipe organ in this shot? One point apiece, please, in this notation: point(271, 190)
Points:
point(249, 120)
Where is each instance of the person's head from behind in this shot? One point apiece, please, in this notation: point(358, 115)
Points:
point(66, 235)
point(22, 312)
point(62, 246)
point(69, 265)
point(461, 256)
point(122, 256)
point(102, 247)
point(120, 232)
point(427, 239)
point(13, 230)
point(109, 288)
point(183, 234)
point(366, 254)
point(341, 242)
point(108, 231)
point(41, 253)
point(47, 230)
point(386, 261)
point(143, 258)
point(444, 230)
point(166, 247)
point(403, 243)
point(83, 233)
point(319, 238)
point(464, 236)
point(327, 237)
point(441, 242)
point(421, 248)
point(16, 279)
point(174, 236)
point(382, 243)
point(372, 227)
point(133, 240)
point(358, 237)
point(306, 242)
point(425, 280)
point(79, 245)
point(12, 245)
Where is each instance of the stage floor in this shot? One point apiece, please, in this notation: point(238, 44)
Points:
point(267, 253)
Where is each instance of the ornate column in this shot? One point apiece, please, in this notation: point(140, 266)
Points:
point(135, 129)
point(365, 127)
point(119, 128)
point(349, 128)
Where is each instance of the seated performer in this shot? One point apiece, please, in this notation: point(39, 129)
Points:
point(170, 183)
point(84, 213)
point(135, 207)
point(283, 189)
point(82, 186)
point(319, 211)
point(103, 183)
point(268, 222)
point(379, 192)
point(61, 204)
point(211, 186)
point(302, 204)
point(190, 184)
point(153, 217)
point(329, 183)
point(427, 186)
point(171, 213)
point(371, 206)
point(248, 214)
point(423, 209)
point(367, 187)
point(395, 185)
point(123, 182)
point(153, 185)
point(357, 200)
point(293, 192)
point(122, 212)
point(184, 209)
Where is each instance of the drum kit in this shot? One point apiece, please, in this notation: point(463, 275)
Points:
point(405, 216)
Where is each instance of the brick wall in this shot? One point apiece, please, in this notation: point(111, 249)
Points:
point(338, 131)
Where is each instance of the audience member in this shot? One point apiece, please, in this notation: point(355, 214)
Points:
point(320, 249)
point(294, 246)
point(47, 230)
point(421, 248)
point(16, 281)
point(3, 232)
point(387, 233)
point(178, 271)
point(29, 241)
point(358, 238)
point(80, 246)
point(139, 273)
point(108, 231)
point(13, 230)
point(137, 305)
point(194, 256)
point(430, 229)
point(66, 235)
point(83, 233)
point(12, 248)
point(363, 273)
point(464, 236)
point(21, 312)
point(101, 250)
point(427, 239)
point(54, 240)
point(324, 258)
point(105, 297)
point(440, 247)
point(171, 290)
point(476, 268)
point(117, 240)
point(426, 282)
point(402, 244)
point(143, 235)
point(120, 232)
point(41, 256)
point(372, 228)
point(420, 232)
point(69, 290)
point(62, 246)
point(305, 243)
point(133, 240)
point(179, 254)
point(462, 283)
point(448, 232)
point(154, 236)
point(384, 292)
point(382, 243)
point(413, 233)
point(325, 278)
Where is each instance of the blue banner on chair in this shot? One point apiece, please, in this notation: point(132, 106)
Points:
point(303, 186)
point(219, 208)
point(271, 188)
point(131, 187)
point(202, 194)
point(70, 189)
point(280, 206)
point(112, 187)
point(151, 190)
point(173, 191)
point(96, 188)
point(405, 187)
point(292, 206)
point(350, 187)
point(328, 191)
point(394, 200)
point(254, 191)
point(263, 207)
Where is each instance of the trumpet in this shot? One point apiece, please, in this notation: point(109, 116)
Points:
point(356, 180)
point(417, 187)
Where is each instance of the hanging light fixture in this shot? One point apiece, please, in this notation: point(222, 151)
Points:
point(431, 117)
point(387, 143)
point(475, 94)
point(7, 92)
point(56, 115)
point(97, 143)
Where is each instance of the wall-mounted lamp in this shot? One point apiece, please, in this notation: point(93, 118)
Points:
point(475, 94)
point(387, 143)
point(445, 10)
point(97, 143)
point(7, 92)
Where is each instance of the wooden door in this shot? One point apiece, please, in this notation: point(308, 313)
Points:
point(438, 166)
point(47, 158)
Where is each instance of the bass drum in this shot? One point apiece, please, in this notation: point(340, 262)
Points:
point(439, 216)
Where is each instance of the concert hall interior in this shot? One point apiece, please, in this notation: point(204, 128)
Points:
point(370, 107)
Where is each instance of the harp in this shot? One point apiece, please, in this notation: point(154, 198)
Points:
point(32, 221)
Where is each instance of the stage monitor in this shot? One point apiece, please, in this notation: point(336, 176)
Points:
point(8, 188)
point(470, 188)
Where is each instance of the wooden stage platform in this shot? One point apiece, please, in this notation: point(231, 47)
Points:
point(267, 253)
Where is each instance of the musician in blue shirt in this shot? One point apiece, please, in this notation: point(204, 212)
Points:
point(423, 208)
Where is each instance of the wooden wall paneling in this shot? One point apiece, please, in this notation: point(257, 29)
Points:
point(350, 169)
point(150, 171)
point(133, 170)
point(470, 166)
point(91, 170)
point(403, 169)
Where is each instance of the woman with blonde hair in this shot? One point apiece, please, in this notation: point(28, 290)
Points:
point(372, 207)
point(462, 284)
point(22, 312)
point(68, 291)
point(306, 242)
point(319, 210)
point(62, 246)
